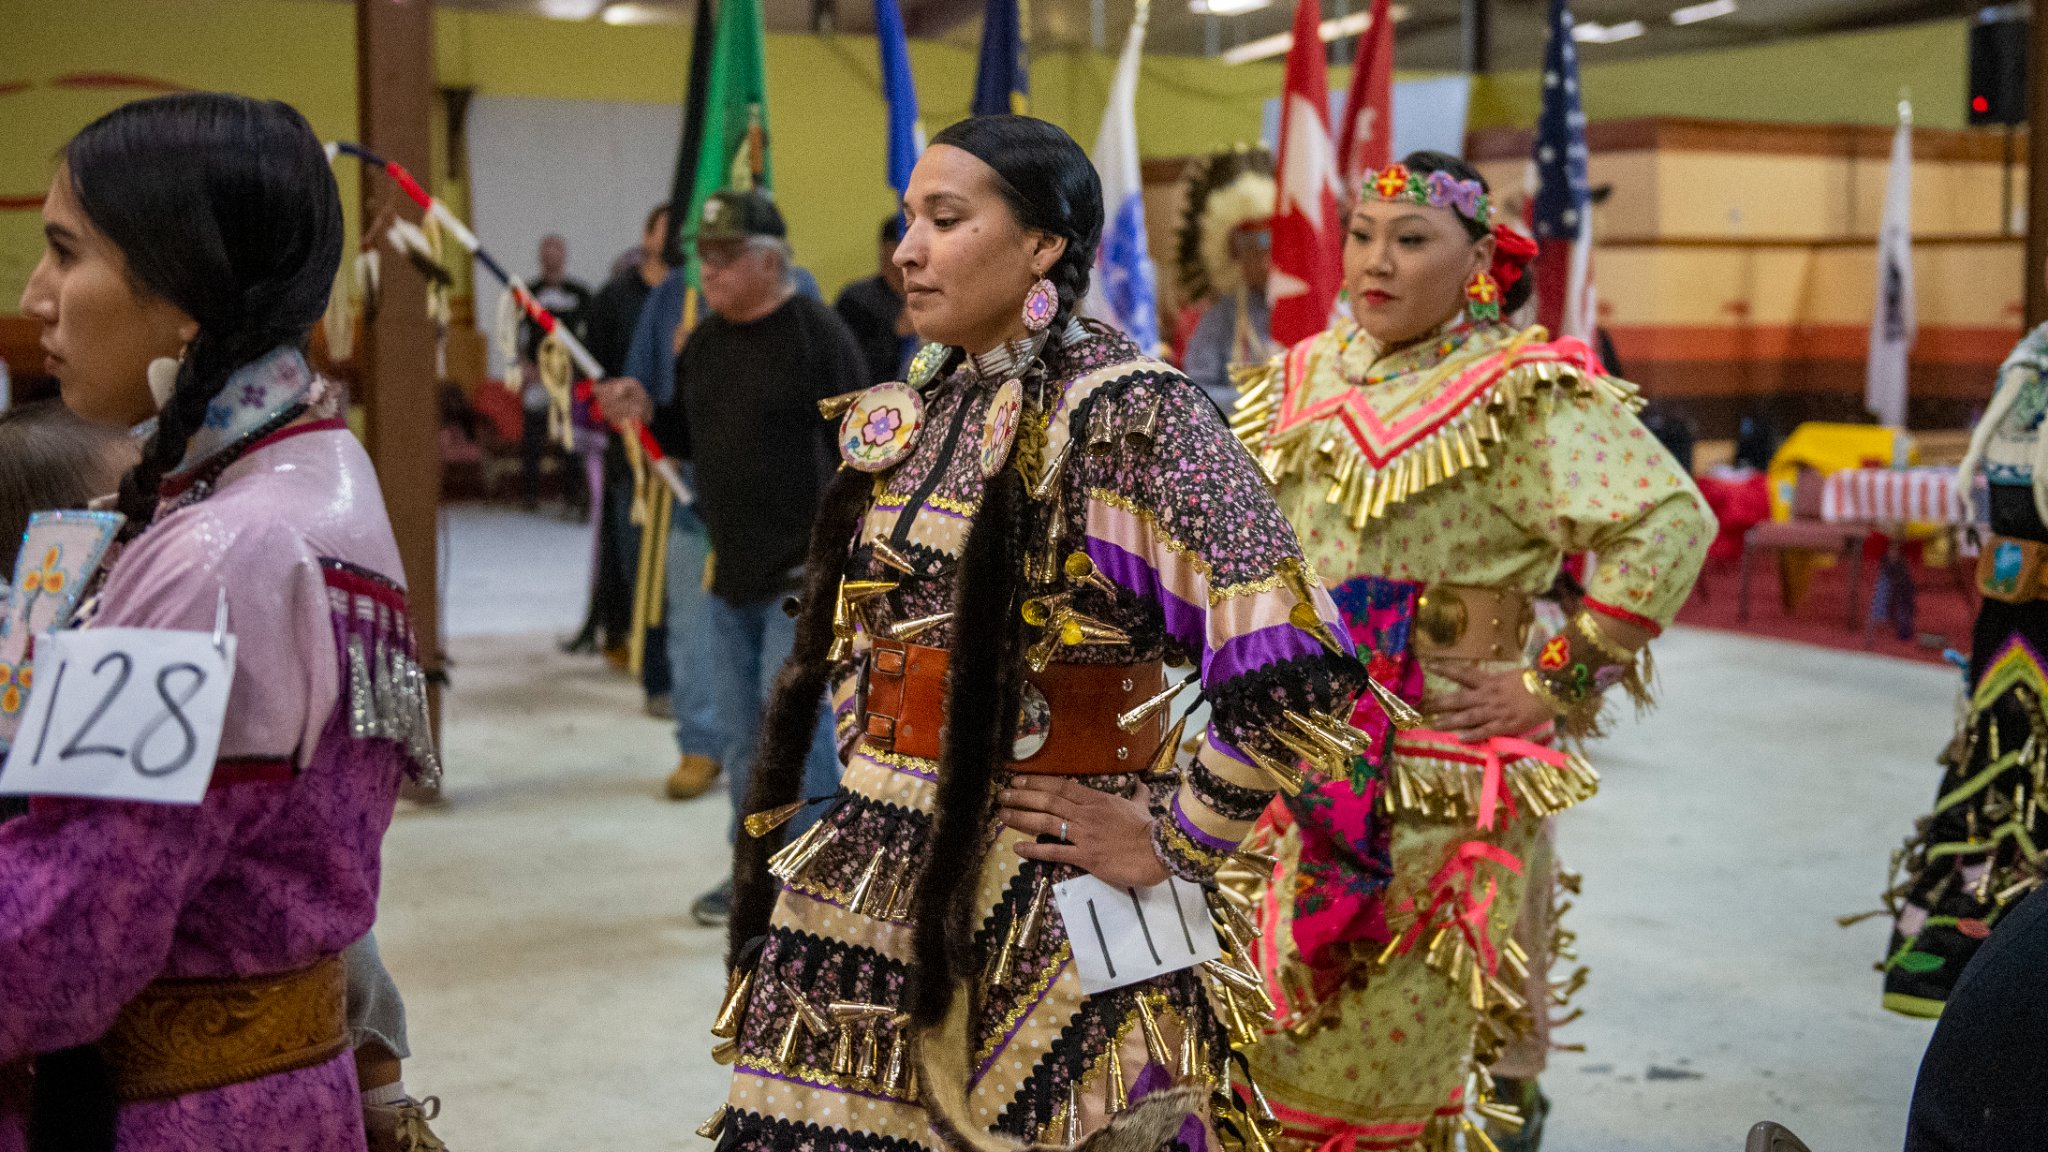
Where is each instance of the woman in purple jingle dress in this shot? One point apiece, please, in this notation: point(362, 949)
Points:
point(170, 976)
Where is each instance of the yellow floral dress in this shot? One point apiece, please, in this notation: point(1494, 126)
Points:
point(1477, 459)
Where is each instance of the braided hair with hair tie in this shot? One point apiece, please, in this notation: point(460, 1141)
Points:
point(225, 207)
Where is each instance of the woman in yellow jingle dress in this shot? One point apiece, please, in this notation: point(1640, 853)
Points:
point(1437, 465)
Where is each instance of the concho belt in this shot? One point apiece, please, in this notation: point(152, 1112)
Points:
point(1462, 622)
point(1066, 724)
point(182, 1036)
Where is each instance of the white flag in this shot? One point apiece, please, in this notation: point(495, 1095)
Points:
point(1124, 291)
point(1891, 323)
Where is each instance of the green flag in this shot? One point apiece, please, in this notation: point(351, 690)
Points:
point(734, 153)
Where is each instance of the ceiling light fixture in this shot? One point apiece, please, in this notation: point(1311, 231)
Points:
point(1226, 7)
point(1342, 28)
point(620, 12)
point(1698, 12)
point(1593, 33)
point(570, 9)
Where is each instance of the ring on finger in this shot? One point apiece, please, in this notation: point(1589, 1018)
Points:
point(1063, 829)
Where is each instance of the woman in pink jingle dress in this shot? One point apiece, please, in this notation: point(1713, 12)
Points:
point(208, 228)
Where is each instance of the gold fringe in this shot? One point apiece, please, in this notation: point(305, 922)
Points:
point(1448, 790)
point(1458, 447)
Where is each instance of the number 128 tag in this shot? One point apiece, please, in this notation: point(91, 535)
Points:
point(122, 714)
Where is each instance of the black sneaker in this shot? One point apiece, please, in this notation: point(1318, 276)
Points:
point(713, 908)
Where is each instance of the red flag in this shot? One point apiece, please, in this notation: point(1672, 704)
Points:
point(1308, 227)
point(1365, 136)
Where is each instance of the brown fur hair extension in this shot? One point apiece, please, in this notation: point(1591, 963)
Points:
point(985, 679)
point(791, 721)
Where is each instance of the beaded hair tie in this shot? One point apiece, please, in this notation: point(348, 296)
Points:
point(1468, 198)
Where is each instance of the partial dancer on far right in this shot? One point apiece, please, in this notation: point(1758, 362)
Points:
point(1972, 858)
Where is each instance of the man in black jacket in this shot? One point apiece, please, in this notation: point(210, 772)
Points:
point(745, 415)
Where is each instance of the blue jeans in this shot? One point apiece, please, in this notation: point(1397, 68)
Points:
point(751, 641)
point(691, 656)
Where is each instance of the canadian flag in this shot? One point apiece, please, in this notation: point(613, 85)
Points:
point(1365, 136)
point(1308, 224)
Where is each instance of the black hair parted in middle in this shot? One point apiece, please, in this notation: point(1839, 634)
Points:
point(1048, 182)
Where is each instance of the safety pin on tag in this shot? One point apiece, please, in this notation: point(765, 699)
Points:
point(220, 624)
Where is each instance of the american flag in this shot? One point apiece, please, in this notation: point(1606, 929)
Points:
point(1562, 212)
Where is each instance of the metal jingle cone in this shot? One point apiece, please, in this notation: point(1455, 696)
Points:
point(887, 554)
point(760, 824)
point(737, 987)
point(1155, 1042)
point(1077, 631)
point(1114, 1094)
point(1129, 721)
point(1080, 568)
point(1290, 779)
point(911, 629)
point(1070, 1130)
point(999, 969)
point(1042, 488)
point(1034, 913)
point(1040, 610)
point(833, 407)
point(1403, 716)
point(895, 1079)
point(714, 1126)
point(1162, 764)
point(818, 1023)
point(842, 1051)
point(785, 1050)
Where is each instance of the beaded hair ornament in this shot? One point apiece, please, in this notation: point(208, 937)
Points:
point(1467, 198)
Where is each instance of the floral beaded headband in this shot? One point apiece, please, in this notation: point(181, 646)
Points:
point(1467, 198)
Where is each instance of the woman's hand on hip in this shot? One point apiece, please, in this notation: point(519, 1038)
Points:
point(1107, 836)
point(1487, 704)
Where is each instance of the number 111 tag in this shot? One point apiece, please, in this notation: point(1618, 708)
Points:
point(122, 714)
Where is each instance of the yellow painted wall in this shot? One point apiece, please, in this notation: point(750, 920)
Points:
point(826, 115)
point(1852, 78)
point(826, 111)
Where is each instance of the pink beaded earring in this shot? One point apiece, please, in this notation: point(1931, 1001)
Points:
point(1041, 305)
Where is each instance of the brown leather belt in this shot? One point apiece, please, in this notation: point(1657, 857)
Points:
point(906, 711)
point(183, 1036)
point(1462, 622)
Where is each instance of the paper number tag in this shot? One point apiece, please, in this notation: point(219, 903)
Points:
point(1121, 936)
point(122, 714)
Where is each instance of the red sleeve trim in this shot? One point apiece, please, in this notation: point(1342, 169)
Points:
point(1626, 616)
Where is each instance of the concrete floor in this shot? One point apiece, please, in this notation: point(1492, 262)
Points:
point(560, 995)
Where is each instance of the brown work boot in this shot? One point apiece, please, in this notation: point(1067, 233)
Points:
point(693, 777)
point(402, 1127)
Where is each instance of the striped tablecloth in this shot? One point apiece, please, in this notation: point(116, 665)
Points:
point(1891, 496)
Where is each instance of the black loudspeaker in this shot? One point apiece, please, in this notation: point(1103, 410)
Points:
point(1998, 68)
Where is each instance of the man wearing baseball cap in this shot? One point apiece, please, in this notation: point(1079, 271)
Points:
point(745, 415)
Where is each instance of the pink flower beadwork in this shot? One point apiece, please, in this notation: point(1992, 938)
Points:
point(881, 426)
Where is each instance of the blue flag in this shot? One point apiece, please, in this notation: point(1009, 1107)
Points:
point(906, 133)
point(1003, 83)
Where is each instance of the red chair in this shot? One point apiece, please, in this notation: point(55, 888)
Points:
point(1805, 532)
